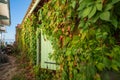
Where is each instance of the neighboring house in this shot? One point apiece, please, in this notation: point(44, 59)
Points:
point(5, 19)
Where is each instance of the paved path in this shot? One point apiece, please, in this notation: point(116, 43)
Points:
point(8, 70)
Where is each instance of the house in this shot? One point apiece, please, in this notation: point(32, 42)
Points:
point(5, 18)
point(43, 46)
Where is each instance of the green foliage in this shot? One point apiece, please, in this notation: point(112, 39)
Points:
point(105, 16)
point(27, 39)
point(18, 77)
point(82, 33)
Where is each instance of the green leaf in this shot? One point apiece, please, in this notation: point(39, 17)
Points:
point(83, 36)
point(75, 72)
point(73, 4)
point(115, 1)
point(98, 49)
point(95, 18)
point(81, 24)
point(114, 21)
point(63, 1)
point(81, 7)
point(92, 13)
point(86, 11)
point(108, 7)
point(68, 52)
point(105, 35)
point(115, 67)
point(107, 62)
point(115, 62)
point(99, 6)
point(105, 16)
point(100, 66)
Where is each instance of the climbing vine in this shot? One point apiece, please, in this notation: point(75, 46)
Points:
point(26, 39)
point(85, 36)
point(27, 36)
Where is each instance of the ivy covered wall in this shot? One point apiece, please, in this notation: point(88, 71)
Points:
point(27, 39)
point(84, 34)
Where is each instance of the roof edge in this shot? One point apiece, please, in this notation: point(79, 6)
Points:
point(31, 8)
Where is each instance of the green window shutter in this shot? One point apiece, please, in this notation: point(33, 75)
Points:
point(46, 49)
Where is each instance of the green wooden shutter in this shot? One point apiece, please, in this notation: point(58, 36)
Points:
point(46, 49)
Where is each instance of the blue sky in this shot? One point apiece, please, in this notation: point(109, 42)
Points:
point(18, 10)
